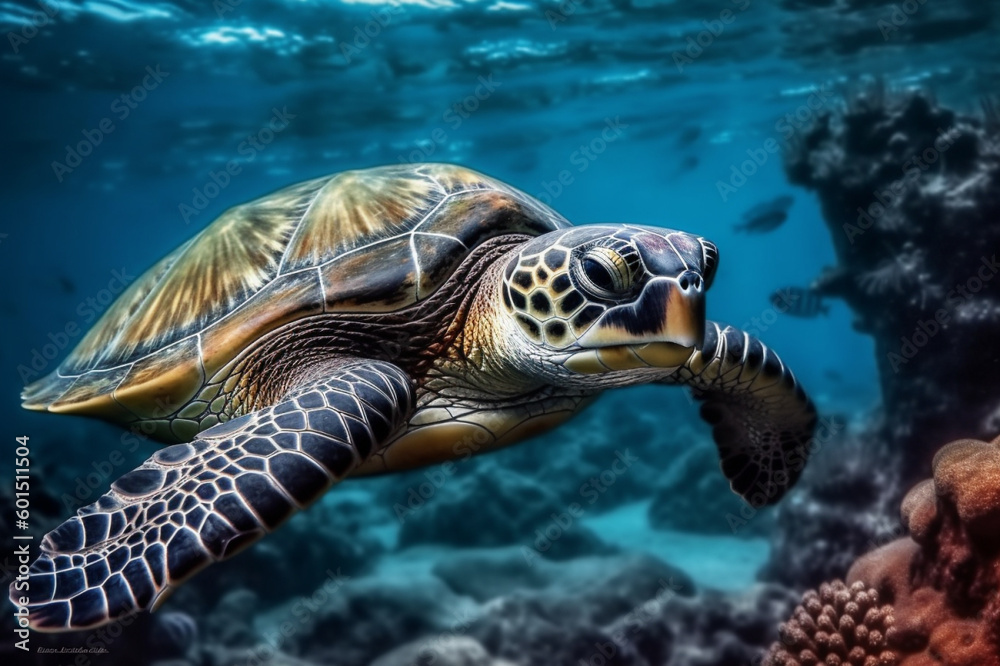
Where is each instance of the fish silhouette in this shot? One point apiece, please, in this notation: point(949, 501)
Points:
point(799, 302)
point(688, 136)
point(766, 216)
point(66, 285)
point(689, 163)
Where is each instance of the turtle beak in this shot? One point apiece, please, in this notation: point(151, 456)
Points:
point(669, 310)
point(660, 329)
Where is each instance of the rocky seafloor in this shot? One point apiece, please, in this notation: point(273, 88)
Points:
point(521, 557)
point(524, 557)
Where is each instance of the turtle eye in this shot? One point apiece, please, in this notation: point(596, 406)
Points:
point(604, 272)
point(598, 273)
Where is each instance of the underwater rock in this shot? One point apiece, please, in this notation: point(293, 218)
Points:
point(495, 507)
point(572, 616)
point(717, 629)
point(363, 619)
point(693, 497)
point(600, 590)
point(307, 547)
point(259, 656)
point(445, 651)
point(173, 635)
point(943, 581)
point(527, 631)
point(487, 574)
point(843, 506)
point(231, 622)
point(911, 194)
point(631, 610)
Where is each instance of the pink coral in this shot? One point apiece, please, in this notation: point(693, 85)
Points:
point(837, 625)
point(940, 587)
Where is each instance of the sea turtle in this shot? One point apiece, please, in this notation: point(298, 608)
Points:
point(373, 321)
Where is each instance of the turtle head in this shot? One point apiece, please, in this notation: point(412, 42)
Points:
point(599, 292)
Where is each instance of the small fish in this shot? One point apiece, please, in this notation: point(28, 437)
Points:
point(689, 163)
point(766, 216)
point(799, 302)
point(524, 162)
point(688, 136)
point(66, 284)
point(761, 224)
point(833, 375)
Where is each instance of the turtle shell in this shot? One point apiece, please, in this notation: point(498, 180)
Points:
point(374, 240)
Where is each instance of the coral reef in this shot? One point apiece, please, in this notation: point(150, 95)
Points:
point(837, 625)
point(911, 192)
point(941, 585)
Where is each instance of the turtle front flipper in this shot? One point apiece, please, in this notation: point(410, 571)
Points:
point(763, 422)
point(193, 504)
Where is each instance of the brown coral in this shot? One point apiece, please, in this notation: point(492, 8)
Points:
point(836, 625)
point(942, 583)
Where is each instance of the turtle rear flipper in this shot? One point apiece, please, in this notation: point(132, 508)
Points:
point(193, 504)
point(763, 422)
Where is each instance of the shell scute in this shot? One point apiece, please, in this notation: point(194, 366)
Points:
point(285, 299)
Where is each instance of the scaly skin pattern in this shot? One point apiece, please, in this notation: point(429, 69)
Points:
point(482, 389)
point(197, 503)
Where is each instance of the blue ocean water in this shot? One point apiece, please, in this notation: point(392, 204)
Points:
point(130, 126)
